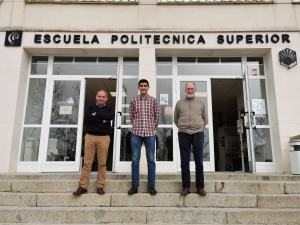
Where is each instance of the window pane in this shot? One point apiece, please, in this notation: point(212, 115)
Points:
point(129, 91)
point(65, 102)
point(164, 144)
point(259, 101)
point(62, 144)
point(30, 144)
point(125, 150)
point(39, 65)
point(209, 66)
point(262, 145)
point(130, 66)
point(164, 66)
point(165, 100)
point(255, 66)
point(35, 101)
point(85, 66)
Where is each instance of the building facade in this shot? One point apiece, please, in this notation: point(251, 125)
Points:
point(241, 55)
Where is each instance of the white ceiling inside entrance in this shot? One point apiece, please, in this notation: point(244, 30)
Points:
point(224, 95)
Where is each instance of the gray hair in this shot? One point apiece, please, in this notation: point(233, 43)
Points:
point(190, 83)
point(104, 91)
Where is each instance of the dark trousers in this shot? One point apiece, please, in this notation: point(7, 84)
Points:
point(185, 143)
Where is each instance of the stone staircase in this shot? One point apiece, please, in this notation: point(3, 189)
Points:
point(232, 198)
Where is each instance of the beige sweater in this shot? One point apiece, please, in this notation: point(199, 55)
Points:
point(190, 115)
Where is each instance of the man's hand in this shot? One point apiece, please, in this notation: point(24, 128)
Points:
point(93, 114)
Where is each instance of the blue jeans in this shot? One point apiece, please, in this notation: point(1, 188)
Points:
point(136, 145)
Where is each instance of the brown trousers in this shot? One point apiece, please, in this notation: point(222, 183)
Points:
point(101, 143)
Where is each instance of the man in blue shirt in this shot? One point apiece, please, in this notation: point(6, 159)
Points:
point(97, 138)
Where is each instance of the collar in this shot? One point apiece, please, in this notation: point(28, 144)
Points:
point(100, 106)
point(189, 99)
point(140, 98)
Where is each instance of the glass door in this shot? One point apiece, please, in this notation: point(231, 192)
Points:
point(61, 149)
point(257, 118)
point(203, 91)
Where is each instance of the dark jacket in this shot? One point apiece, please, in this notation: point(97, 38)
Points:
point(95, 125)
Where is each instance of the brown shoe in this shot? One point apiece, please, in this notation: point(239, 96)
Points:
point(133, 191)
point(100, 191)
point(152, 191)
point(185, 191)
point(80, 191)
point(201, 192)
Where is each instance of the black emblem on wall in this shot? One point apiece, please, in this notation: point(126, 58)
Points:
point(13, 38)
point(288, 58)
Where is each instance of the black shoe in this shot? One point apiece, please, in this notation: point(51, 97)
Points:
point(201, 192)
point(185, 191)
point(152, 191)
point(133, 191)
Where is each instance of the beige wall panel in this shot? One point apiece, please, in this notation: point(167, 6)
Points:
point(147, 17)
point(147, 60)
point(5, 14)
point(287, 88)
point(17, 17)
point(285, 16)
point(83, 17)
point(216, 17)
point(297, 12)
point(9, 93)
point(285, 154)
point(290, 130)
point(10, 57)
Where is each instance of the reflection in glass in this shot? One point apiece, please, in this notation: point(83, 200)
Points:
point(164, 66)
point(206, 152)
point(262, 145)
point(164, 144)
point(39, 65)
point(129, 91)
point(65, 102)
point(62, 144)
point(85, 66)
point(209, 66)
point(201, 90)
point(35, 101)
point(130, 66)
point(258, 100)
point(255, 66)
point(125, 150)
point(165, 100)
point(30, 144)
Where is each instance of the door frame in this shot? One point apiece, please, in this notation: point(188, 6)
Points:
point(209, 166)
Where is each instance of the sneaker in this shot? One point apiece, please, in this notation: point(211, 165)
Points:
point(152, 191)
point(100, 191)
point(133, 191)
point(185, 191)
point(80, 191)
point(201, 192)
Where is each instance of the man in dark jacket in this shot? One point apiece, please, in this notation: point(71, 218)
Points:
point(98, 130)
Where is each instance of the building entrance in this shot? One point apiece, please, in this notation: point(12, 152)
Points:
point(93, 85)
point(228, 107)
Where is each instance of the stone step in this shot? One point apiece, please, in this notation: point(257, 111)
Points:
point(138, 200)
point(162, 186)
point(145, 200)
point(95, 215)
point(159, 176)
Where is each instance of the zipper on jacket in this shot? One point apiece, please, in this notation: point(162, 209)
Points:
point(190, 113)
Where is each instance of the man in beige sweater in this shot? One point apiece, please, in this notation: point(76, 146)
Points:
point(190, 116)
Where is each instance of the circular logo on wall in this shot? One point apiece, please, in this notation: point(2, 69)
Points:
point(288, 58)
point(13, 38)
